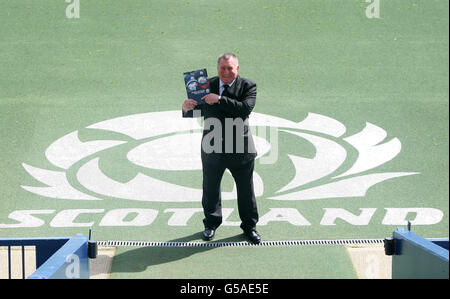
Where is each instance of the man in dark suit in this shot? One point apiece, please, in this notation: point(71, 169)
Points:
point(227, 143)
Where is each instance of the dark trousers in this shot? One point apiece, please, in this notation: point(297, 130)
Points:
point(242, 173)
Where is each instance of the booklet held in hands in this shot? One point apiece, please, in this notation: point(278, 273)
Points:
point(197, 85)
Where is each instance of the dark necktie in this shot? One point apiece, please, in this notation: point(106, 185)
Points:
point(225, 90)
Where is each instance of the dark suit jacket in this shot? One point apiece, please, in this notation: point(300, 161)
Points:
point(230, 116)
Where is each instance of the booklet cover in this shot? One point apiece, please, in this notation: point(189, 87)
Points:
point(197, 85)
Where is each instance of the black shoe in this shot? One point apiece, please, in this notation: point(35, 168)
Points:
point(208, 234)
point(253, 236)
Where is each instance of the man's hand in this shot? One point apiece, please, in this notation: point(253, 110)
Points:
point(189, 104)
point(211, 98)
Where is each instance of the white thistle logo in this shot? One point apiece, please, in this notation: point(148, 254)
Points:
point(169, 142)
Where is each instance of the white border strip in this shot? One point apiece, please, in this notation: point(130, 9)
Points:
point(239, 244)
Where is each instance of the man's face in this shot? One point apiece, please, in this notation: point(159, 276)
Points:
point(227, 70)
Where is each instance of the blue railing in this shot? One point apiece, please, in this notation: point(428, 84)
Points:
point(61, 257)
point(417, 257)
